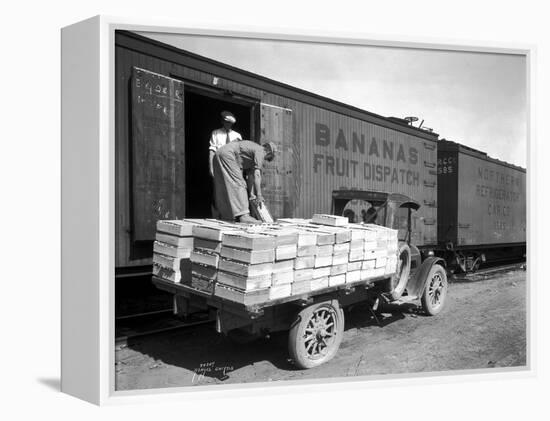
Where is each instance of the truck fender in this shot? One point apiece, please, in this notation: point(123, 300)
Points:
point(417, 282)
point(400, 280)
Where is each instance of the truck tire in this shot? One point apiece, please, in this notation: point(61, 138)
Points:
point(399, 281)
point(435, 292)
point(316, 334)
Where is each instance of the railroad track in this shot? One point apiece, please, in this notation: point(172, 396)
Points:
point(483, 273)
point(133, 326)
point(144, 314)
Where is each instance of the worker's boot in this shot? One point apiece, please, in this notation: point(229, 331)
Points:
point(247, 219)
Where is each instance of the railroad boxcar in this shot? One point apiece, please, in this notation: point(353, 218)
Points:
point(481, 207)
point(168, 101)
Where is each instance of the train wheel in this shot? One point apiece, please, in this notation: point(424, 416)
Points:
point(435, 293)
point(316, 335)
point(461, 263)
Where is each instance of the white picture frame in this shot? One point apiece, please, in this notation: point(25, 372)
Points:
point(88, 212)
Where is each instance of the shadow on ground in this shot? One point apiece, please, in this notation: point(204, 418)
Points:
point(203, 351)
point(359, 316)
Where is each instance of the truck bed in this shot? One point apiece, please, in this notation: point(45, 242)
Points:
point(218, 302)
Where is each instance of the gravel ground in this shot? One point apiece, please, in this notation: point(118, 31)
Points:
point(482, 326)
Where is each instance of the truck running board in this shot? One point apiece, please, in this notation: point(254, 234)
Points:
point(405, 299)
point(402, 300)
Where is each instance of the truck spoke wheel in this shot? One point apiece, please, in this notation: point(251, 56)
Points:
point(316, 335)
point(434, 290)
point(435, 293)
point(321, 325)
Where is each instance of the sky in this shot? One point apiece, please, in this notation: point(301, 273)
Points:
point(476, 99)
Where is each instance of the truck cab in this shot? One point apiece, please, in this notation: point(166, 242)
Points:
point(420, 273)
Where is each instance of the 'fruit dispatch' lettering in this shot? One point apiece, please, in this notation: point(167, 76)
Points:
point(327, 164)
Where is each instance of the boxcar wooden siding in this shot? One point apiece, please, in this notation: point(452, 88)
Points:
point(484, 199)
point(339, 152)
point(321, 151)
point(499, 216)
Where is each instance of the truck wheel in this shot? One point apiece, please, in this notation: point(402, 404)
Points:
point(400, 279)
point(435, 292)
point(316, 334)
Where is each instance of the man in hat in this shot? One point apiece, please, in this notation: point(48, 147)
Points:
point(232, 192)
point(222, 136)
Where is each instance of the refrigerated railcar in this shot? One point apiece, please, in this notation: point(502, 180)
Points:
point(481, 207)
point(168, 101)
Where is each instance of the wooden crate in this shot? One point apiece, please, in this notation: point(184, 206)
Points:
point(286, 252)
point(250, 283)
point(248, 240)
point(208, 259)
point(319, 283)
point(335, 280)
point(322, 272)
point(281, 278)
point(305, 262)
point(331, 220)
point(280, 291)
point(240, 296)
point(166, 273)
point(242, 269)
point(338, 269)
point(182, 242)
point(248, 256)
point(301, 287)
point(168, 250)
point(207, 245)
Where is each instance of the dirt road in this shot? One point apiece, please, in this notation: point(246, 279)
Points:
point(483, 325)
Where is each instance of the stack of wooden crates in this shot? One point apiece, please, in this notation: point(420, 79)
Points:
point(253, 264)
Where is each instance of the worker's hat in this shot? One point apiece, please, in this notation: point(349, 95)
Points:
point(227, 116)
point(272, 146)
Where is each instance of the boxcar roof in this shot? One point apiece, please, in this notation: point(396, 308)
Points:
point(449, 145)
point(185, 58)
